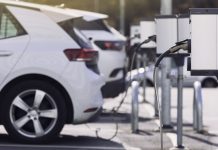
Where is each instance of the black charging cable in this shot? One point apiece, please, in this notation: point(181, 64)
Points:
point(135, 51)
point(116, 109)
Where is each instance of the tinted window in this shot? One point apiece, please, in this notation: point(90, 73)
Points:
point(92, 25)
point(68, 26)
point(9, 26)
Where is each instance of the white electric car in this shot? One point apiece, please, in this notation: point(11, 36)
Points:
point(111, 47)
point(47, 79)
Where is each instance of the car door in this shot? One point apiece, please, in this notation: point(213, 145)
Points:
point(13, 41)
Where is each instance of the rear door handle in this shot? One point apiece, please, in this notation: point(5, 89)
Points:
point(5, 53)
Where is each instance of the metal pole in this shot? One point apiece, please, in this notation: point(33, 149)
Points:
point(138, 65)
point(96, 5)
point(179, 59)
point(144, 59)
point(195, 121)
point(166, 94)
point(135, 107)
point(179, 107)
point(166, 9)
point(198, 108)
point(122, 16)
point(156, 111)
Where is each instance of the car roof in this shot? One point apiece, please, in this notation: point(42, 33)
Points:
point(87, 15)
point(56, 14)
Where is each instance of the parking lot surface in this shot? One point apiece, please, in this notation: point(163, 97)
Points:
point(96, 135)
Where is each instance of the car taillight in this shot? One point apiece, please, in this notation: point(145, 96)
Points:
point(110, 45)
point(81, 55)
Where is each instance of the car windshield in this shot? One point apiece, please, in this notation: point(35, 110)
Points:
point(71, 30)
point(92, 25)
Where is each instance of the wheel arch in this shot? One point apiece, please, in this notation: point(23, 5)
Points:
point(209, 78)
point(150, 82)
point(45, 78)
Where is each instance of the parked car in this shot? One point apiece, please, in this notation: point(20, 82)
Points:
point(47, 78)
point(188, 81)
point(206, 81)
point(138, 74)
point(111, 48)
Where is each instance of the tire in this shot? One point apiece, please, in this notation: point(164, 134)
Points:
point(33, 120)
point(209, 83)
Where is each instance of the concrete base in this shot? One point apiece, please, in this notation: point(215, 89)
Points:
point(179, 148)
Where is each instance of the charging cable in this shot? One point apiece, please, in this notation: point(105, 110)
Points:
point(135, 50)
point(116, 109)
point(179, 45)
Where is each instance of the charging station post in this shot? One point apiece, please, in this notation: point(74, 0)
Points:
point(166, 9)
point(138, 65)
point(169, 32)
point(179, 60)
point(147, 29)
point(135, 107)
point(183, 33)
point(204, 41)
point(134, 35)
point(166, 29)
point(144, 82)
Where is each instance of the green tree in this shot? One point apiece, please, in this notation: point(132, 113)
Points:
point(136, 10)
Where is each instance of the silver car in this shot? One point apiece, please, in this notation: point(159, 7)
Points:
point(206, 81)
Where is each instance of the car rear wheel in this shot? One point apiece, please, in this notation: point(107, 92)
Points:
point(34, 112)
point(209, 83)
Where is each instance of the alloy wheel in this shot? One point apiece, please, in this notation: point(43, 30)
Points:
point(33, 113)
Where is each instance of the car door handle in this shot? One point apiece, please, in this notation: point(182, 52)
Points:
point(5, 53)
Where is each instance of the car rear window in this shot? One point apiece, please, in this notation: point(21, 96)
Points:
point(92, 25)
point(9, 26)
point(69, 27)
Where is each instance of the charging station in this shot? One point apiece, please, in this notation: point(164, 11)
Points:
point(170, 30)
point(134, 35)
point(147, 29)
point(147, 50)
point(166, 29)
point(204, 41)
point(183, 27)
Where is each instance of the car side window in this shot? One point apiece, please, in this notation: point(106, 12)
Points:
point(9, 26)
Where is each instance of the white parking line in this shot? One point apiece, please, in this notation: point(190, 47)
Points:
point(173, 138)
point(64, 147)
point(149, 109)
point(213, 132)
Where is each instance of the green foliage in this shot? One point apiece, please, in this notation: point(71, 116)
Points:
point(136, 10)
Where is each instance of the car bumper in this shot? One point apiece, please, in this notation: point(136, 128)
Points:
point(113, 88)
point(84, 89)
point(110, 61)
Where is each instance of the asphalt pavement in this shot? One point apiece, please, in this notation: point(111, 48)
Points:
point(97, 135)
